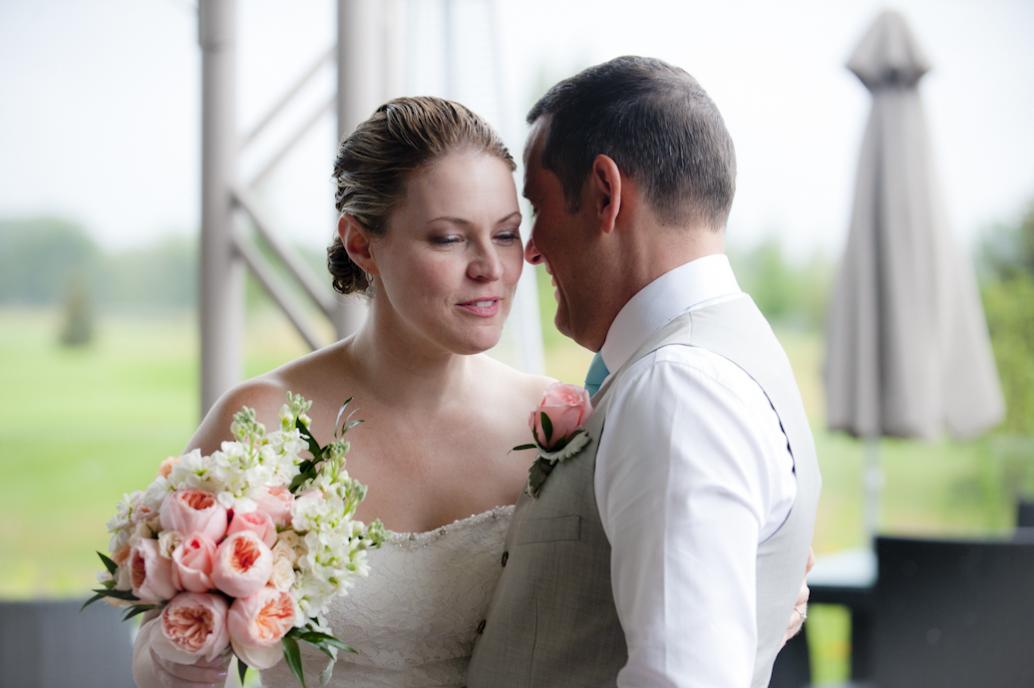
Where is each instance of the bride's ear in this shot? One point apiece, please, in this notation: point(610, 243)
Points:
point(356, 240)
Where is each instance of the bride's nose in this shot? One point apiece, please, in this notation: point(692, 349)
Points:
point(486, 265)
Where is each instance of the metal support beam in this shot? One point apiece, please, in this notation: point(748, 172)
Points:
point(358, 94)
point(276, 289)
point(222, 275)
point(288, 96)
point(315, 289)
point(288, 144)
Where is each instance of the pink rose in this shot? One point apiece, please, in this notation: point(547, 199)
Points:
point(256, 625)
point(194, 511)
point(166, 466)
point(243, 564)
point(150, 574)
point(567, 407)
point(258, 522)
point(277, 502)
point(192, 563)
point(193, 627)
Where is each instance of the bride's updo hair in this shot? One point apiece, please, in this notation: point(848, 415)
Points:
point(373, 164)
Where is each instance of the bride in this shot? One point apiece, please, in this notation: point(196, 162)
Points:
point(429, 230)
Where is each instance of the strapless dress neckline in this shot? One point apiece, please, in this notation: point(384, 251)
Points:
point(414, 620)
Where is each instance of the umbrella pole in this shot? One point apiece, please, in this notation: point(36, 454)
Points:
point(873, 486)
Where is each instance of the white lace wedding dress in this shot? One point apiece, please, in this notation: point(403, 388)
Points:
point(414, 620)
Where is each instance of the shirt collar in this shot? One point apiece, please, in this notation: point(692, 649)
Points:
point(688, 286)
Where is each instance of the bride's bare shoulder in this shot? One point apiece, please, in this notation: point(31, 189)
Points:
point(522, 389)
point(266, 394)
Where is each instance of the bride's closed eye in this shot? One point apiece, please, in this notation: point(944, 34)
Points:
point(447, 239)
point(508, 237)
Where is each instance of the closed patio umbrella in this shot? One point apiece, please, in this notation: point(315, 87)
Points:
point(907, 349)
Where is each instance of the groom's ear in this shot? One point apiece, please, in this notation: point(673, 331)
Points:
point(356, 240)
point(605, 191)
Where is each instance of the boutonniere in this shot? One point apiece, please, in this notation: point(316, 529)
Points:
point(556, 428)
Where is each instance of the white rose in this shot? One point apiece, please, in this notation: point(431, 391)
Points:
point(289, 546)
point(283, 574)
point(168, 541)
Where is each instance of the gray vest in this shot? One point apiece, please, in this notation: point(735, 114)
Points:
point(552, 620)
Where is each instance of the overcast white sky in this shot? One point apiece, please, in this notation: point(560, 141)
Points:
point(99, 118)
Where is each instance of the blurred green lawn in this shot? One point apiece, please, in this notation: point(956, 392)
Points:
point(81, 427)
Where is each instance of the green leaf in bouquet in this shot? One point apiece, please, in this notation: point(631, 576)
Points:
point(110, 565)
point(338, 422)
point(293, 656)
point(242, 670)
point(87, 603)
point(315, 637)
point(138, 609)
point(101, 593)
point(314, 447)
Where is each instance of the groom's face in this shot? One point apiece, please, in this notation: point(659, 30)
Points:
point(559, 239)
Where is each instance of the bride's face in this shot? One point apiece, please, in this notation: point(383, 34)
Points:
point(448, 264)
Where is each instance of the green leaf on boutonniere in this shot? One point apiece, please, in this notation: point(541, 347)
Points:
point(569, 447)
point(537, 475)
point(547, 427)
point(522, 447)
point(293, 656)
point(242, 670)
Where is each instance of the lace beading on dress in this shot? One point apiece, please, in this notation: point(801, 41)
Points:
point(414, 620)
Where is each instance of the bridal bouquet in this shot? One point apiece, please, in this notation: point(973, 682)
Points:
point(245, 548)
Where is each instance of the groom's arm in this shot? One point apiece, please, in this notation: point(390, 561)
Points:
point(684, 490)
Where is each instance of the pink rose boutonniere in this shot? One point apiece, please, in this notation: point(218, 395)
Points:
point(556, 428)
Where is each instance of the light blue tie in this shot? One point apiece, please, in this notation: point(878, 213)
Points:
point(597, 374)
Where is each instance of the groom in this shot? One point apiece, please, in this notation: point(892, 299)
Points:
point(668, 552)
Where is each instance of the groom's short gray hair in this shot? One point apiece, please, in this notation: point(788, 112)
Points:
point(660, 127)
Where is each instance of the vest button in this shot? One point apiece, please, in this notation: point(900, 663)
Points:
point(481, 626)
point(506, 558)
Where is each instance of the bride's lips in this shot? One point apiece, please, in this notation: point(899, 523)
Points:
point(483, 308)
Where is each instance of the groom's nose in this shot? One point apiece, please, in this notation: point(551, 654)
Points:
point(531, 252)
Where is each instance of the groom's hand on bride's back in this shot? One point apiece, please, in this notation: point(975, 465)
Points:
point(151, 671)
point(800, 606)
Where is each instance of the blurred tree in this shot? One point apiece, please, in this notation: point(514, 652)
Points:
point(791, 292)
point(37, 256)
point(1007, 261)
point(161, 275)
point(1008, 249)
point(78, 326)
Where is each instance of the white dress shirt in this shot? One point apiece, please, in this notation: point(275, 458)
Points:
point(692, 472)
